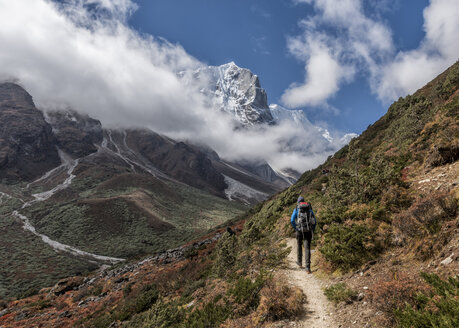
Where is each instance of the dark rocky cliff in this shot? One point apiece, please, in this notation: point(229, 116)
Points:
point(27, 145)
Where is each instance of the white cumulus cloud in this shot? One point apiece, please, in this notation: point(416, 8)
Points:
point(323, 72)
point(410, 70)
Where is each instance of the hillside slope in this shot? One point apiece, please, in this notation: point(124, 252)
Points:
point(388, 210)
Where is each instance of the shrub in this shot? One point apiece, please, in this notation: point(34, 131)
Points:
point(40, 304)
point(161, 315)
point(192, 287)
point(388, 296)
point(210, 315)
point(278, 302)
point(340, 293)
point(142, 301)
point(396, 198)
point(246, 291)
point(445, 89)
point(347, 247)
point(439, 308)
point(226, 252)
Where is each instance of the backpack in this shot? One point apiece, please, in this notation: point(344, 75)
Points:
point(304, 220)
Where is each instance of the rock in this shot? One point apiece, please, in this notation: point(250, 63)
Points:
point(360, 296)
point(3, 312)
point(67, 284)
point(365, 287)
point(27, 144)
point(230, 84)
point(181, 161)
point(86, 301)
point(65, 314)
point(448, 260)
point(22, 315)
point(122, 279)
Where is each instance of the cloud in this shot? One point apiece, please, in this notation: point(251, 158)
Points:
point(410, 70)
point(359, 43)
point(82, 54)
point(323, 72)
point(96, 66)
point(334, 41)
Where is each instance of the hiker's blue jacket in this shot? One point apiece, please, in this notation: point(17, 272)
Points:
point(295, 215)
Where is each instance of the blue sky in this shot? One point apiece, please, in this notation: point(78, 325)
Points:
point(254, 33)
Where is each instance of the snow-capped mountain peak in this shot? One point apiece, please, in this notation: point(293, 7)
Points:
point(237, 91)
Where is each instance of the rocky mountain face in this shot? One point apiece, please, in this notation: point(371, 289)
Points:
point(27, 144)
point(238, 92)
point(75, 134)
point(178, 160)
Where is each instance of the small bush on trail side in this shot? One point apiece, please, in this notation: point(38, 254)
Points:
point(437, 308)
point(246, 291)
point(347, 247)
point(278, 302)
point(340, 293)
point(388, 296)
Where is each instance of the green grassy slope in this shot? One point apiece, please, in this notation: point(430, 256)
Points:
point(125, 220)
point(105, 212)
point(27, 263)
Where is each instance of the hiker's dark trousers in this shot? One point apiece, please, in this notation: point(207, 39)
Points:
point(304, 239)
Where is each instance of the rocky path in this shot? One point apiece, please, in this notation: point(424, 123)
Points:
point(318, 310)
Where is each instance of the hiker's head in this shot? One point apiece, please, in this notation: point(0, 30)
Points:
point(300, 199)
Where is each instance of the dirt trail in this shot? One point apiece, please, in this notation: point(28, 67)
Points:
point(319, 312)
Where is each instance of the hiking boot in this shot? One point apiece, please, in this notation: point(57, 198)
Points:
point(298, 263)
point(308, 270)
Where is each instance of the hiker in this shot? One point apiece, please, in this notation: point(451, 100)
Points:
point(304, 222)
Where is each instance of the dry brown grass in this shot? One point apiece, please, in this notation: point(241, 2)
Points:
point(426, 215)
point(277, 302)
point(389, 295)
